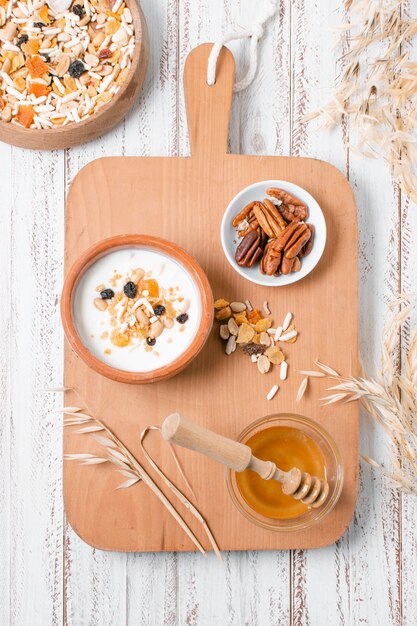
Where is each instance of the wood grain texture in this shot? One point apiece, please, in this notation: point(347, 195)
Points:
point(360, 573)
point(197, 189)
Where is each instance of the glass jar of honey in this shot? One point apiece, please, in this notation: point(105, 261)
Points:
point(289, 441)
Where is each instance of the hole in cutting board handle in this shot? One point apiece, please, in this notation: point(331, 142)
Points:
point(208, 106)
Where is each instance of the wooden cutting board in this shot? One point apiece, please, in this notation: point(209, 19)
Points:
point(183, 200)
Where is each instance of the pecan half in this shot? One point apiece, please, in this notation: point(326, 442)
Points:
point(285, 235)
point(309, 245)
point(291, 251)
point(249, 250)
point(243, 214)
point(271, 259)
point(275, 214)
point(291, 207)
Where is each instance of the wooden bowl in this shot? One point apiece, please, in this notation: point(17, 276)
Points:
point(107, 116)
point(160, 245)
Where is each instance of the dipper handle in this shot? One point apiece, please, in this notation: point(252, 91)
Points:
point(183, 432)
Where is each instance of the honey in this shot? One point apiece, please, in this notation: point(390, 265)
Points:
point(287, 447)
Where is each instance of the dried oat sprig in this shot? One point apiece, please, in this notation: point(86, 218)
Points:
point(389, 397)
point(126, 464)
point(378, 93)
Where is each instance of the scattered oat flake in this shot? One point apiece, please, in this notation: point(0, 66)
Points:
point(302, 388)
point(287, 321)
point(272, 392)
point(278, 333)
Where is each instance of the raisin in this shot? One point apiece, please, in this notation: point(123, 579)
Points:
point(106, 53)
point(159, 309)
point(76, 69)
point(107, 294)
point(77, 9)
point(151, 341)
point(46, 58)
point(181, 319)
point(39, 24)
point(22, 39)
point(130, 289)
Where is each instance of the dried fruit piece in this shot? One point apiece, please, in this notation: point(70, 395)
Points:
point(130, 289)
point(38, 90)
point(264, 364)
point(36, 66)
point(76, 68)
point(181, 319)
point(159, 309)
point(25, 115)
point(246, 334)
point(43, 15)
point(107, 294)
point(254, 316)
point(151, 286)
point(151, 341)
point(224, 314)
point(31, 47)
point(220, 304)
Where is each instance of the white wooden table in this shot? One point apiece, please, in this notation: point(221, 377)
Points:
point(48, 576)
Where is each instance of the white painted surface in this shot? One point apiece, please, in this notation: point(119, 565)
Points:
point(48, 576)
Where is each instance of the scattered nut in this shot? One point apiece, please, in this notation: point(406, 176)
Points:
point(100, 304)
point(224, 331)
point(231, 345)
point(263, 364)
point(233, 327)
point(238, 307)
point(224, 314)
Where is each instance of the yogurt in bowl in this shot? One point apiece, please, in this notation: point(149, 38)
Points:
point(136, 308)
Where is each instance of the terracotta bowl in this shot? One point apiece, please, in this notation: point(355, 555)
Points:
point(151, 243)
point(108, 115)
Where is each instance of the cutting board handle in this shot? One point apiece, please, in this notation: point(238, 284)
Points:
point(208, 107)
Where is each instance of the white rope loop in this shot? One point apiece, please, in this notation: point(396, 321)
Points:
point(254, 33)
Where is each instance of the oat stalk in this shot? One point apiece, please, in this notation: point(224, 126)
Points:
point(116, 453)
point(377, 86)
point(389, 397)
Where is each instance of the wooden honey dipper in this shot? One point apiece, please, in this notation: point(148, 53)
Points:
point(179, 430)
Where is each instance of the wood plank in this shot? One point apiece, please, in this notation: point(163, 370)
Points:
point(99, 584)
point(32, 512)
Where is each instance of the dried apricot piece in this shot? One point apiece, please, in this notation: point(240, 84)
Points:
point(25, 115)
point(43, 14)
point(36, 66)
point(38, 90)
point(254, 316)
point(31, 47)
point(152, 287)
point(246, 334)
